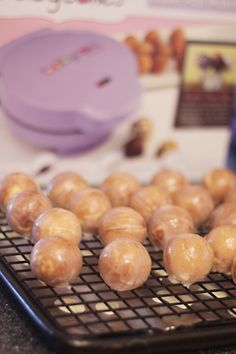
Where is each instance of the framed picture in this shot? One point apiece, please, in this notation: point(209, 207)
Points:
point(208, 84)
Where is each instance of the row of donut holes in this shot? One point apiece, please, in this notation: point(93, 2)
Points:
point(169, 209)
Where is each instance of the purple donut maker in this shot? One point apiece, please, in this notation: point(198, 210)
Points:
point(67, 90)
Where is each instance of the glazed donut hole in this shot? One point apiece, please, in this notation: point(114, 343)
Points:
point(23, 210)
point(62, 186)
point(197, 201)
point(224, 214)
point(122, 223)
point(124, 264)
point(167, 222)
point(170, 180)
point(89, 205)
point(13, 184)
point(56, 261)
point(57, 222)
point(119, 188)
point(146, 199)
point(188, 258)
point(219, 182)
point(222, 240)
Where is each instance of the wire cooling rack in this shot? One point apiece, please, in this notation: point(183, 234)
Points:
point(90, 317)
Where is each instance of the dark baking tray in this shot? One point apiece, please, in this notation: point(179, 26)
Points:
point(89, 317)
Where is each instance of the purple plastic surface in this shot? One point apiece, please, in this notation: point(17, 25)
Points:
point(68, 81)
point(62, 143)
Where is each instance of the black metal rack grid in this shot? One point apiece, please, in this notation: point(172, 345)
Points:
point(90, 315)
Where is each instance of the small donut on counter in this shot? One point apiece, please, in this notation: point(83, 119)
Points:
point(62, 186)
point(122, 223)
point(56, 261)
point(57, 222)
point(188, 258)
point(197, 201)
point(146, 199)
point(167, 222)
point(23, 210)
point(119, 188)
point(13, 184)
point(222, 240)
point(124, 264)
point(89, 205)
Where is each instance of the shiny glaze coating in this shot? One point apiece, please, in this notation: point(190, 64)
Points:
point(170, 180)
point(89, 205)
point(222, 240)
point(167, 222)
point(124, 264)
point(23, 210)
point(224, 214)
point(122, 222)
point(57, 222)
point(119, 188)
point(13, 184)
point(218, 182)
point(56, 261)
point(197, 201)
point(146, 199)
point(188, 258)
point(62, 186)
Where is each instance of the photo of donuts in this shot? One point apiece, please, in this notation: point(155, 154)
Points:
point(153, 53)
point(208, 84)
point(159, 57)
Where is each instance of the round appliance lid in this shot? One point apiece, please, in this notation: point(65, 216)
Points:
point(74, 72)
